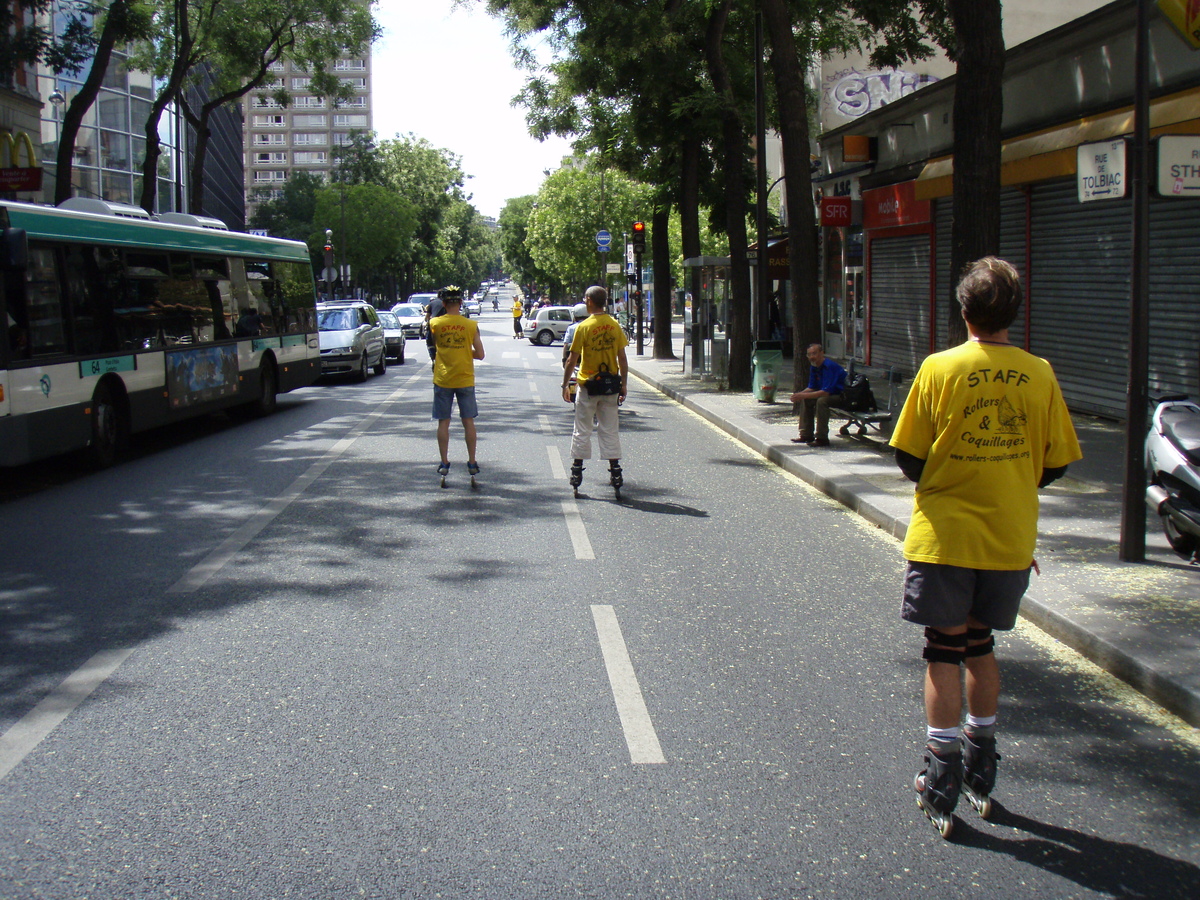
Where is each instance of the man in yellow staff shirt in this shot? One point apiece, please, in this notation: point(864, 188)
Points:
point(517, 310)
point(984, 426)
point(457, 344)
point(598, 346)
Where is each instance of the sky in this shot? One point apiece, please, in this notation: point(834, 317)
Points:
point(445, 74)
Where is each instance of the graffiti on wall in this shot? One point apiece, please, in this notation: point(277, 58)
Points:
point(851, 93)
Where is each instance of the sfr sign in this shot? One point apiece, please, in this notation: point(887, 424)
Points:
point(836, 212)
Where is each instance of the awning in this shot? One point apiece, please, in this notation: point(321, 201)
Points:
point(778, 258)
point(1052, 153)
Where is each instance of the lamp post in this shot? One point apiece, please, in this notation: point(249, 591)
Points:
point(57, 99)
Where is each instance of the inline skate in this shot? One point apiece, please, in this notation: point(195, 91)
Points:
point(616, 477)
point(473, 470)
point(979, 770)
point(443, 471)
point(938, 786)
point(576, 476)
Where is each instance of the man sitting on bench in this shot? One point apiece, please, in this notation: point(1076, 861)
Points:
point(826, 381)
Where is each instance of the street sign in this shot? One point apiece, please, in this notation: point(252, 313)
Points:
point(603, 240)
point(1100, 170)
point(614, 268)
point(1179, 165)
point(329, 274)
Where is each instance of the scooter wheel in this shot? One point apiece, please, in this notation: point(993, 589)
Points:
point(1183, 544)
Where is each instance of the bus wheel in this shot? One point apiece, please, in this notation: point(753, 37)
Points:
point(269, 383)
point(109, 427)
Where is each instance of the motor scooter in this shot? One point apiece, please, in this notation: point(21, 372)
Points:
point(1173, 472)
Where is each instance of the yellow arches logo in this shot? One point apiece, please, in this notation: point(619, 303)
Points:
point(14, 176)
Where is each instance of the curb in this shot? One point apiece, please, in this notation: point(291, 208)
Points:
point(871, 503)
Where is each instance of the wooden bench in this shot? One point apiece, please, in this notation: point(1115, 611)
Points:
point(866, 421)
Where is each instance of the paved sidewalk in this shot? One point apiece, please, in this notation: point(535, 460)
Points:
point(1139, 621)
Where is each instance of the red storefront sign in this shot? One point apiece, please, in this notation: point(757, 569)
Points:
point(894, 206)
point(836, 212)
point(13, 178)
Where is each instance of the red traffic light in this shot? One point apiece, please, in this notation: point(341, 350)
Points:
point(639, 237)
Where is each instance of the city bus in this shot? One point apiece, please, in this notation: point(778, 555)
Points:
point(116, 322)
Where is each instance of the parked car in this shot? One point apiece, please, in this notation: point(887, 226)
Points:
point(548, 324)
point(470, 308)
point(351, 338)
point(412, 319)
point(423, 299)
point(393, 335)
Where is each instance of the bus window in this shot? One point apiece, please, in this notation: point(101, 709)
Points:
point(297, 296)
point(42, 316)
point(214, 278)
point(185, 303)
point(89, 298)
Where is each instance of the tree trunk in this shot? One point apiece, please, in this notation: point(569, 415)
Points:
point(733, 153)
point(115, 26)
point(978, 114)
point(689, 196)
point(168, 92)
point(803, 266)
point(660, 252)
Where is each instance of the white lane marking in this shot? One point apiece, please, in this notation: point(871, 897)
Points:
point(528, 364)
point(216, 560)
point(533, 388)
point(543, 354)
point(548, 429)
point(29, 731)
point(577, 531)
point(556, 466)
point(510, 354)
point(640, 736)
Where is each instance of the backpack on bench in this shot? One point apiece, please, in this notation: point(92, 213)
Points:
point(857, 395)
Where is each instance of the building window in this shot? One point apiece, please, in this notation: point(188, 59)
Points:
point(309, 121)
point(266, 103)
point(270, 175)
point(350, 65)
point(308, 102)
point(310, 139)
point(269, 140)
point(341, 139)
point(301, 84)
point(277, 159)
point(310, 157)
point(354, 103)
point(269, 121)
point(350, 121)
point(359, 84)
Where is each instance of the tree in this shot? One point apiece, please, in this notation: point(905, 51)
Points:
point(373, 227)
point(123, 21)
point(223, 51)
point(514, 246)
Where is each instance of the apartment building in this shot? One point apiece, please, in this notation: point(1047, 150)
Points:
point(278, 141)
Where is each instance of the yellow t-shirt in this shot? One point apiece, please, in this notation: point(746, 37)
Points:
point(986, 418)
point(454, 365)
point(597, 339)
point(518, 308)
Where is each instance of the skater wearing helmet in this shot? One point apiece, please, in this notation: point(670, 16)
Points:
point(983, 428)
point(598, 348)
point(518, 309)
point(455, 344)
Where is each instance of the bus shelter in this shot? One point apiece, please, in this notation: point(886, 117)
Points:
point(706, 318)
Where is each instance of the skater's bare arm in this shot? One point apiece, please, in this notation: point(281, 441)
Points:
point(568, 371)
point(623, 365)
point(477, 347)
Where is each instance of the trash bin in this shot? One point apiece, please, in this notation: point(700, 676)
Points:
point(767, 361)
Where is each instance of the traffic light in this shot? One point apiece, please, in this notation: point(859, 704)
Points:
point(639, 237)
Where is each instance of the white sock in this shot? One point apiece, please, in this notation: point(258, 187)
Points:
point(985, 724)
point(942, 736)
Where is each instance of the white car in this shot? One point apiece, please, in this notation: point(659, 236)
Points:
point(351, 339)
point(548, 324)
point(412, 319)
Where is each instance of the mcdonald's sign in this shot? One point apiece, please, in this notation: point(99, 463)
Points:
point(15, 177)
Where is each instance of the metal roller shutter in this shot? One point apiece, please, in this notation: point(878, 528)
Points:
point(1174, 295)
point(1012, 248)
point(899, 302)
point(1078, 295)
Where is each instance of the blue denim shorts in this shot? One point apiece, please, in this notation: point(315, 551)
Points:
point(443, 400)
point(941, 596)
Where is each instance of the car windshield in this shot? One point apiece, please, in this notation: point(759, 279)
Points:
point(337, 319)
point(407, 312)
point(388, 320)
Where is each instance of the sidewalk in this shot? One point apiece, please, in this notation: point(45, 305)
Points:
point(1139, 621)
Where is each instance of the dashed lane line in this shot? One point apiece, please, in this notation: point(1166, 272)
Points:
point(640, 736)
point(575, 527)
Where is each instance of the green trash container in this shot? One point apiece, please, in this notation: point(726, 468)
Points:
point(767, 361)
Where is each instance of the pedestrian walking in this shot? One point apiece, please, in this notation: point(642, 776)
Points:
point(455, 344)
point(598, 349)
point(983, 427)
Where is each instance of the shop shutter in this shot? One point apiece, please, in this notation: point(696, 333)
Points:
point(1174, 295)
point(1012, 248)
point(1078, 295)
point(899, 302)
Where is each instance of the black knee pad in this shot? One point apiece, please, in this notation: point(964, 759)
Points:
point(987, 646)
point(953, 651)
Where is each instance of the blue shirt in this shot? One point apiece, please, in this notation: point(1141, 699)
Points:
point(828, 377)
